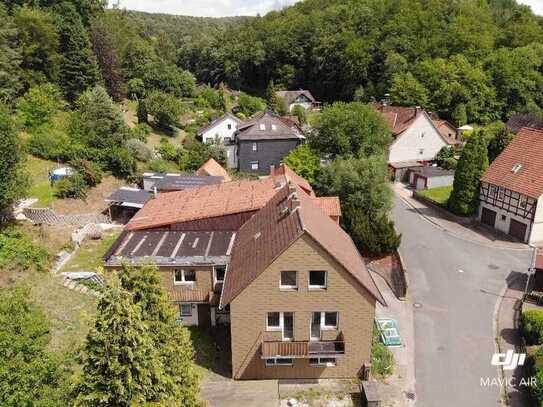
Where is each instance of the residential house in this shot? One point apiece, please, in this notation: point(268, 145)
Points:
point(212, 168)
point(160, 182)
point(189, 235)
point(449, 132)
point(511, 197)
point(222, 130)
point(264, 140)
point(520, 120)
point(303, 308)
point(301, 97)
point(430, 177)
point(416, 138)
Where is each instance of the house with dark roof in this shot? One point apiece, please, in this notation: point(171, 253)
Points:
point(264, 141)
point(167, 182)
point(222, 130)
point(417, 138)
point(511, 194)
point(302, 301)
point(301, 97)
point(520, 120)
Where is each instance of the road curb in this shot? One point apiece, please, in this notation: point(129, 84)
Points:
point(495, 324)
point(448, 231)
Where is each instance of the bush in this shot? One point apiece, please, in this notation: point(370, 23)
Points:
point(142, 112)
point(139, 150)
point(382, 359)
point(38, 105)
point(158, 165)
point(17, 251)
point(535, 369)
point(249, 105)
point(71, 187)
point(120, 162)
point(450, 164)
point(168, 151)
point(374, 234)
point(300, 113)
point(52, 144)
point(165, 109)
point(532, 327)
point(91, 172)
point(141, 131)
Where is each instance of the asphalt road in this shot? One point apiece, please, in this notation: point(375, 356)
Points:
point(457, 284)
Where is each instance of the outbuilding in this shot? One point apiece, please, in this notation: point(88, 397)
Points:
point(430, 177)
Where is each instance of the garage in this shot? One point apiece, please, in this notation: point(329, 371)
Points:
point(488, 217)
point(420, 183)
point(518, 229)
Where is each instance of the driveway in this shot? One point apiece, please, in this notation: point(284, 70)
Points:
point(249, 393)
point(454, 285)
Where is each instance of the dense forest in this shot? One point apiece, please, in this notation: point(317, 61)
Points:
point(468, 60)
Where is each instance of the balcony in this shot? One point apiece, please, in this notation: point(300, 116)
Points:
point(302, 349)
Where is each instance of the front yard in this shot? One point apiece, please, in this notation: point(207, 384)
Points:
point(212, 351)
point(439, 196)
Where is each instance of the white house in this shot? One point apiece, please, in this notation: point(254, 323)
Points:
point(511, 197)
point(222, 129)
point(416, 137)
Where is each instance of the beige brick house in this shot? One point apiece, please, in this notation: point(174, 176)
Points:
point(301, 300)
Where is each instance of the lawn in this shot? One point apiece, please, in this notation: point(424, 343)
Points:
point(40, 186)
point(212, 350)
point(89, 256)
point(438, 195)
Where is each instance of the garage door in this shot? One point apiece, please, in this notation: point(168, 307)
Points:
point(488, 217)
point(517, 229)
point(421, 183)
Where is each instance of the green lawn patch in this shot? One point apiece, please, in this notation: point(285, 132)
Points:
point(440, 195)
point(212, 350)
point(40, 187)
point(89, 256)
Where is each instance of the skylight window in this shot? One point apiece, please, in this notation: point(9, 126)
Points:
point(516, 168)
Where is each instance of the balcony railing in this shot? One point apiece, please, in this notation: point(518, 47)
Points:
point(302, 349)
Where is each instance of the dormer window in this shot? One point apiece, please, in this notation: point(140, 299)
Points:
point(262, 126)
point(274, 127)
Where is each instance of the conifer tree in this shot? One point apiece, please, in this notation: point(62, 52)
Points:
point(473, 163)
point(178, 380)
point(78, 67)
point(120, 361)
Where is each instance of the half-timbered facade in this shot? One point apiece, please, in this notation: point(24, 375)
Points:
point(512, 189)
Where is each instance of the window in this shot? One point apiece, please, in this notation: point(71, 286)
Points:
point(289, 279)
point(254, 165)
point(262, 126)
point(229, 126)
point(185, 310)
point(421, 151)
point(278, 362)
point(273, 321)
point(219, 273)
point(421, 135)
point(281, 321)
point(501, 193)
point(504, 218)
point(327, 362)
point(255, 147)
point(227, 140)
point(274, 127)
point(317, 279)
point(209, 140)
point(184, 276)
point(523, 201)
point(493, 190)
point(330, 320)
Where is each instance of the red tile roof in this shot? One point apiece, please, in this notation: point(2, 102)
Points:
point(525, 150)
point(290, 175)
point(213, 169)
point(448, 131)
point(204, 202)
point(329, 204)
point(271, 231)
point(398, 118)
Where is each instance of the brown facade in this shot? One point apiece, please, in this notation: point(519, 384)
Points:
point(195, 292)
point(354, 304)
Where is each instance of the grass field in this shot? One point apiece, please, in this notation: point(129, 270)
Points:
point(40, 186)
point(438, 195)
point(89, 256)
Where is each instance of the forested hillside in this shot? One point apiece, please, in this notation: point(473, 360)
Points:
point(468, 60)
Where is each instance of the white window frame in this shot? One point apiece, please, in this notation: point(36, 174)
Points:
point(181, 310)
point(215, 274)
point(318, 287)
point(183, 281)
point(273, 362)
point(253, 163)
point(323, 364)
point(325, 327)
point(287, 287)
point(274, 127)
point(262, 126)
point(281, 327)
point(255, 147)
